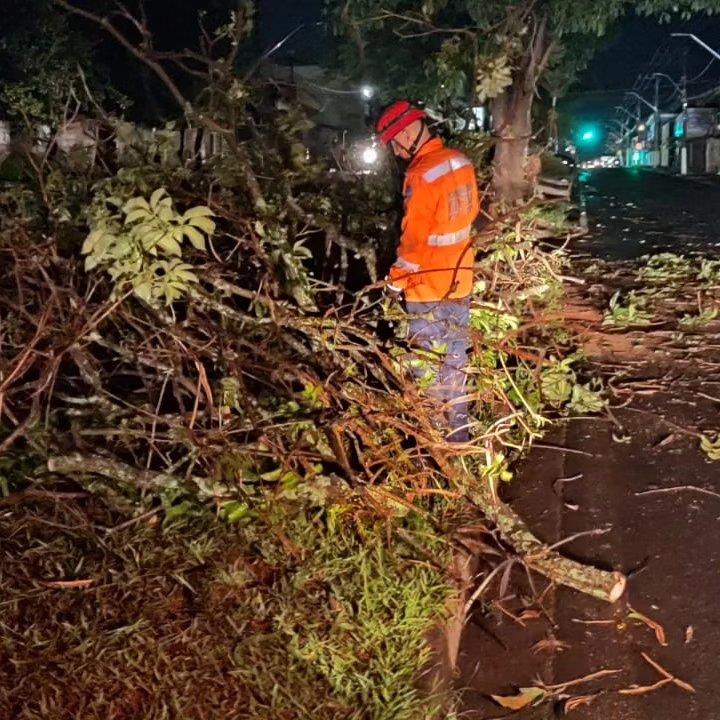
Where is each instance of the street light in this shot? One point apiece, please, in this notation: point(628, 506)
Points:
point(667, 77)
point(699, 42)
point(370, 156)
point(367, 91)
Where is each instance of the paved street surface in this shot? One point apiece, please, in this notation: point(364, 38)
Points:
point(634, 212)
point(668, 543)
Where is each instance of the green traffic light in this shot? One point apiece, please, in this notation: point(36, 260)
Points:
point(588, 134)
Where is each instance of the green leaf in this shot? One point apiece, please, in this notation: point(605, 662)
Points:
point(120, 247)
point(527, 696)
point(104, 242)
point(710, 448)
point(557, 385)
point(139, 214)
point(134, 204)
point(90, 241)
point(174, 512)
point(144, 291)
point(156, 197)
point(90, 263)
point(195, 237)
point(184, 272)
point(165, 213)
point(196, 212)
point(205, 224)
point(236, 511)
point(170, 246)
point(150, 239)
point(584, 400)
point(290, 480)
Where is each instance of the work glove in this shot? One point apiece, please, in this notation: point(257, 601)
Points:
point(395, 318)
point(391, 292)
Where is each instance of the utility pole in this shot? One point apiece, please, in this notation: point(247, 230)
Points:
point(681, 90)
point(641, 99)
point(656, 153)
point(553, 130)
point(626, 139)
point(683, 142)
point(683, 139)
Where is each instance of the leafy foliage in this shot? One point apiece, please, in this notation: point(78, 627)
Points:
point(493, 77)
point(139, 243)
point(702, 318)
point(198, 614)
point(267, 396)
point(711, 448)
point(628, 314)
point(666, 267)
point(40, 53)
point(497, 35)
point(560, 387)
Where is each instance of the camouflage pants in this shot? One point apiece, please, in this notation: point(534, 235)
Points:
point(441, 333)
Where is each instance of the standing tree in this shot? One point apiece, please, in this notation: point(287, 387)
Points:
point(504, 49)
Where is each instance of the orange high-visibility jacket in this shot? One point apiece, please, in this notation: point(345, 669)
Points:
point(435, 255)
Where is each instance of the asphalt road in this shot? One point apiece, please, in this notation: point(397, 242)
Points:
point(668, 543)
point(635, 212)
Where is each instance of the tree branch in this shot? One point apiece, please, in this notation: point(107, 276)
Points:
point(141, 55)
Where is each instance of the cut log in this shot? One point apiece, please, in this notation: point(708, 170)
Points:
point(602, 584)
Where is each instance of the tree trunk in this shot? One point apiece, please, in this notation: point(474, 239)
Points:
point(513, 128)
point(512, 116)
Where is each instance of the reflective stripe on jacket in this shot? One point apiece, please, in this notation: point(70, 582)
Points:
point(435, 255)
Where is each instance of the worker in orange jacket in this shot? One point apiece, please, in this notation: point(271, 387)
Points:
point(434, 266)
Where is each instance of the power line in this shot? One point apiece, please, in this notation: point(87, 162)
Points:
point(599, 92)
point(707, 67)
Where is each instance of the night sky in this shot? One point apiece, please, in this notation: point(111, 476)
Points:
point(278, 18)
point(641, 46)
point(636, 45)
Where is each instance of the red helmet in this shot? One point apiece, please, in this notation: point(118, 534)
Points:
point(396, 118)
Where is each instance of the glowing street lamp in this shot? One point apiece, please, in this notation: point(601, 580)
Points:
point(367, 91)
point(370, 156)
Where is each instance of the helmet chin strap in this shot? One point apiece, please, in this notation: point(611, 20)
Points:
point(415, 146)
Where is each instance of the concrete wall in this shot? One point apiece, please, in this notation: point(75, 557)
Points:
point(712, 164)
point(665, 140)
point(696, 156)
point(78, 140)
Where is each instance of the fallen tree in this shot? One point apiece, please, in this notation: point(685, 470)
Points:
point(177, 339)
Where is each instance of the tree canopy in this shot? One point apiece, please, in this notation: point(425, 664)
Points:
point(444, 45)
point(458, 53)
point(40, 54)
